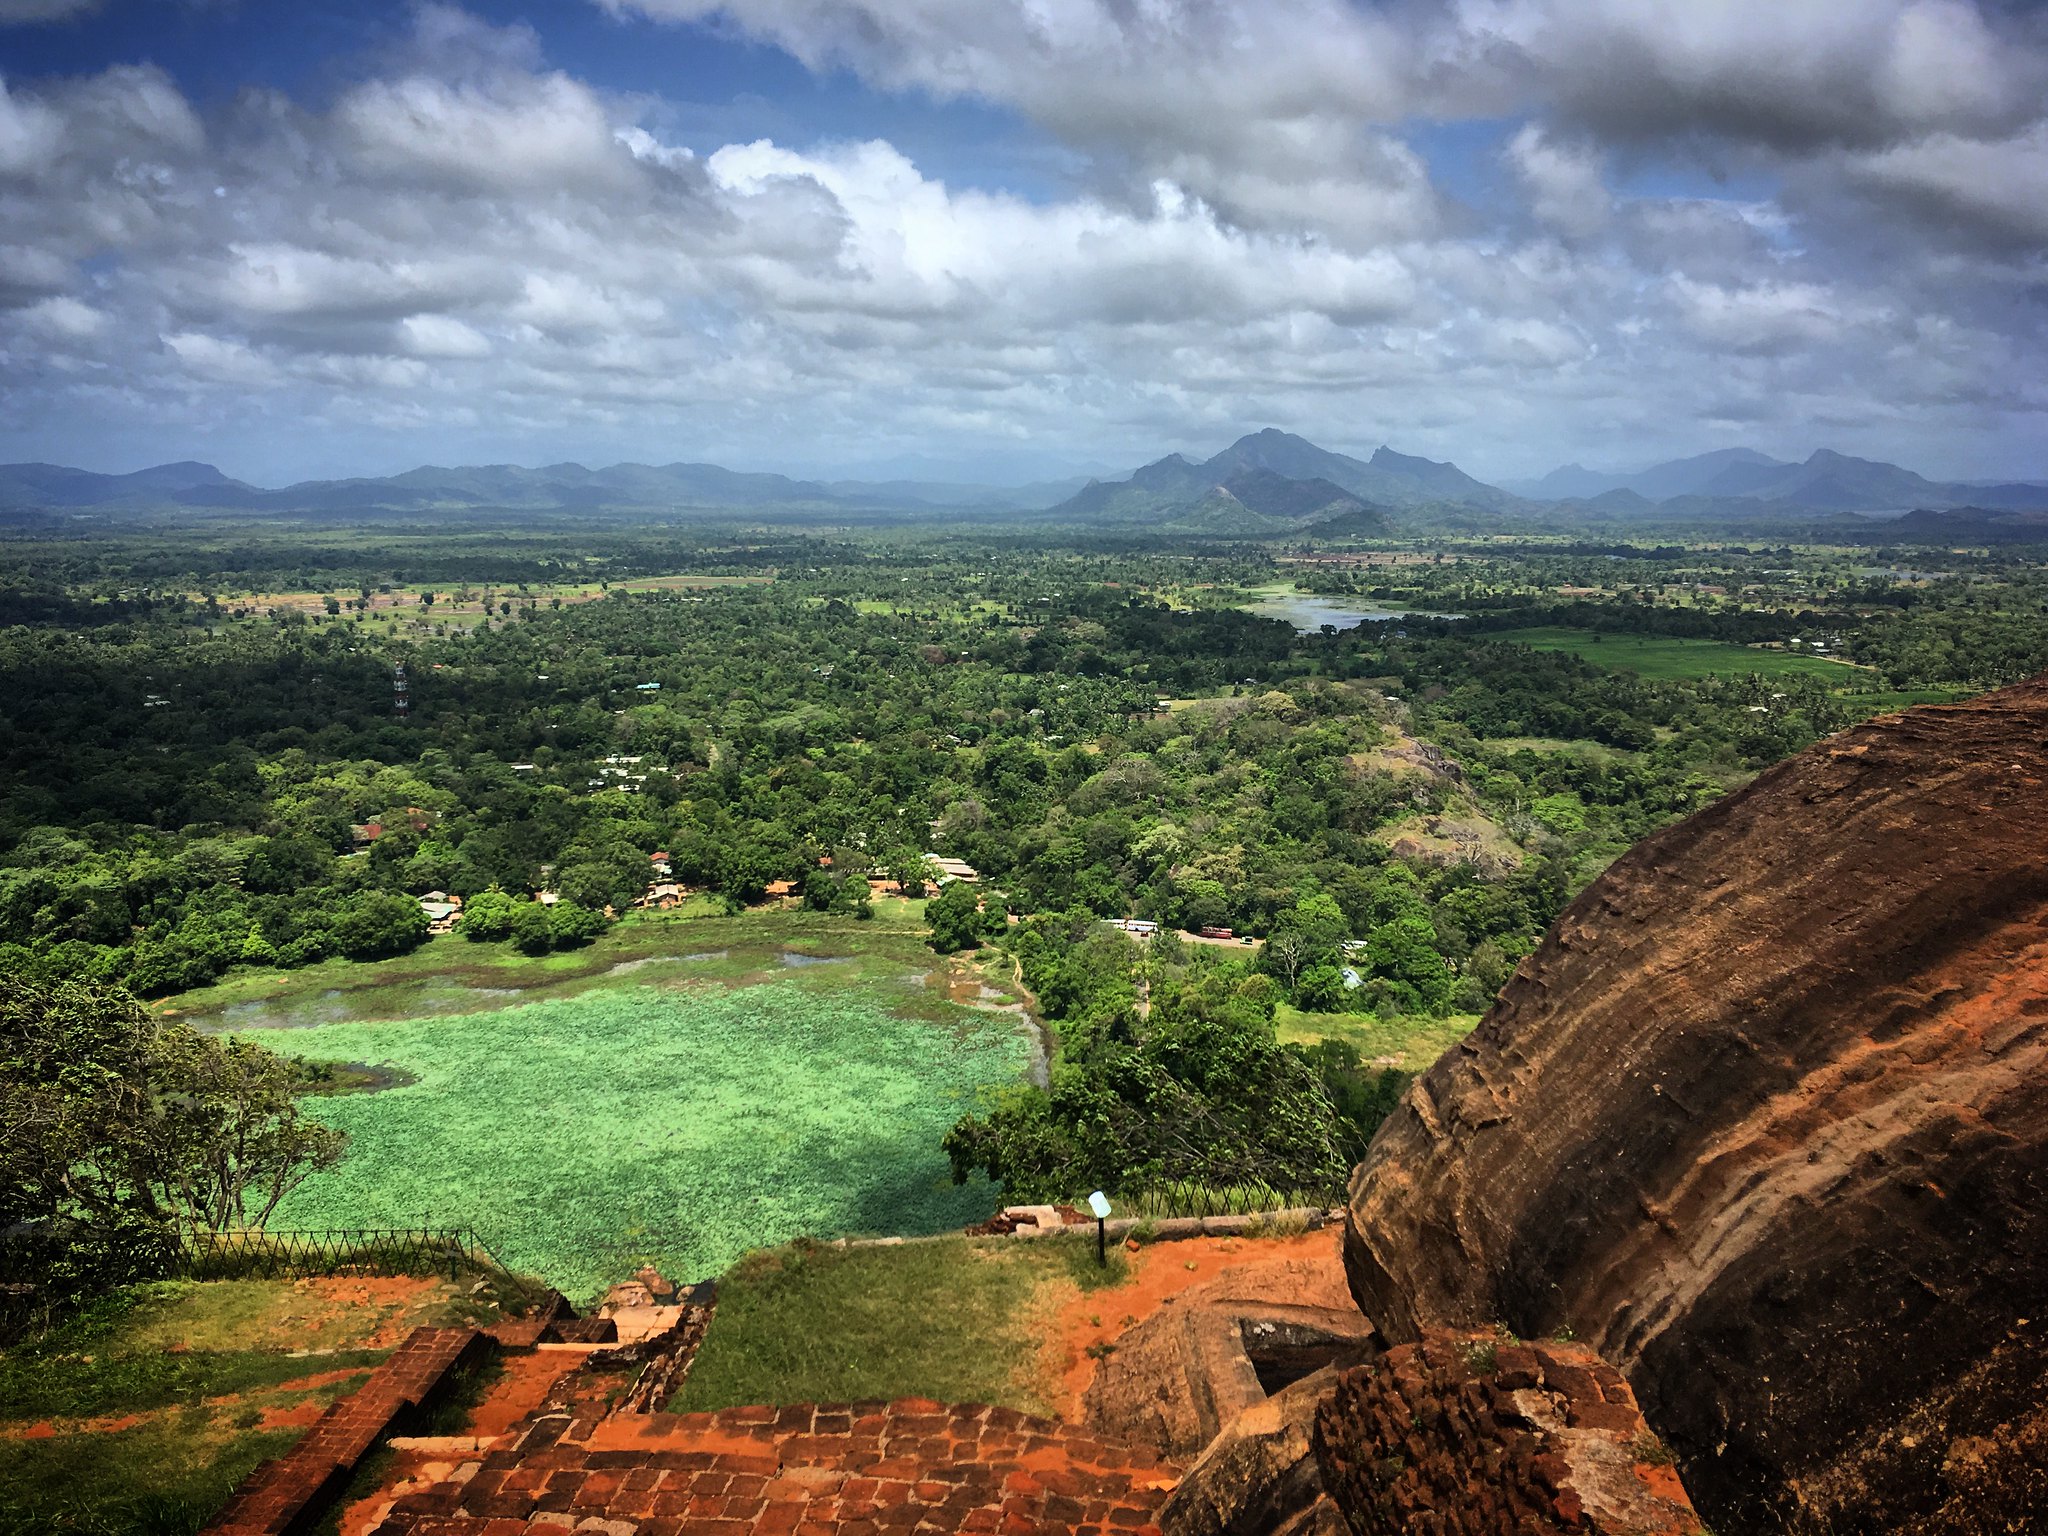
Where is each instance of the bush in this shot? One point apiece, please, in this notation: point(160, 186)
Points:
point(574, 925)
point(372, 925)
point(532, 930)
point(488, 916)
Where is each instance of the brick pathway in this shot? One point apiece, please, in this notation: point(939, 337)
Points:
point(274, 1496)
point(858, 1469)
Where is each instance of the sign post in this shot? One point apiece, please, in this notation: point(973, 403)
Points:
point(1099, 1204)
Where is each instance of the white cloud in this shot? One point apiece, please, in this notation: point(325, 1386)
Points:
point(15, 13)
point(521, 134)
point(1998, 188)
point(1565, 186)
point(220, 360)
point(65, 319)
point(441, 336)
point(1759, 318)
point(29, 134)
point(1245, 229)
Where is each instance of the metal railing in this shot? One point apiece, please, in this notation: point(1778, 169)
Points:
point(257, 1254)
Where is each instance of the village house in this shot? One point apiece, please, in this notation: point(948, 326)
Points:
point(443, 911)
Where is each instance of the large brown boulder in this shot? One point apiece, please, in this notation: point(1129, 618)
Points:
point(1765, 1121)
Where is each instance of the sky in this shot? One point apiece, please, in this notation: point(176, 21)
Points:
point(1006, 240)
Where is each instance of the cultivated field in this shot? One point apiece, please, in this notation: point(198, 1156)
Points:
point(1662, 656)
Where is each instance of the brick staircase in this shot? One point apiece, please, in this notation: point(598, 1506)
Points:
point(280, 1494)
point(859, 1468)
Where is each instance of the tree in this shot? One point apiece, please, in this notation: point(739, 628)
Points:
point(956, 919)
point(1307, 934)
point(1404, 953)
point(122, 1133)
point(573, 925)
point(487, 916)
point(532, 930)
point(1321, 989)
point(372, 925)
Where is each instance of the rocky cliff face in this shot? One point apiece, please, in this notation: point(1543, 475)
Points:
point(1765, 1121)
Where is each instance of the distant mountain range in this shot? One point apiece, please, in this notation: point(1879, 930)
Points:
point(1268, 484)
point(1827, 481)
point(560, 487)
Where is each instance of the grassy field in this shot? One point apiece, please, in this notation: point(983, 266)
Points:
point(450, 975)
point(758, 1079)
point(1408, 1043)
point(1659, 656)
point(138, 1417)
point(958, 1319)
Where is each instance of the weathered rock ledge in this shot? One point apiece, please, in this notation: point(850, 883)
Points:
point(1765, 1121)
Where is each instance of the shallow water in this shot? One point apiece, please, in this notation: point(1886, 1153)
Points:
point(790, 957)
point(625, 967)
point(1309, 613)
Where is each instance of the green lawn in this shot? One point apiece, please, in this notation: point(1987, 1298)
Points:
point(744, 1089)
point(1663, 656)
point(959, 1319)
point(139, 1415)
point(165, 1477)
point(1408, 1043)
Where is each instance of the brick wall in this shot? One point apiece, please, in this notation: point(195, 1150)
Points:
point(279, 1495)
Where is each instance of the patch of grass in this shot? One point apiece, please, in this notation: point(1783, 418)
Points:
point(1665, 656)
point(449, 975)
point(597, 1130)
point(951, 1319)
point(55, 1384)
point(163, 1478)
point(1884, 703)
point(1413, 1042)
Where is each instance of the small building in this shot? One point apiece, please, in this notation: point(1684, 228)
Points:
point(952, 869)
point(442, 910)
point(663, 896)
point(659, 863)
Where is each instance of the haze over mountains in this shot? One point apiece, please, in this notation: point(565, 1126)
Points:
point(1266, 483)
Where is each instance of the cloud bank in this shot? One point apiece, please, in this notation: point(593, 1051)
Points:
point(1783, 223)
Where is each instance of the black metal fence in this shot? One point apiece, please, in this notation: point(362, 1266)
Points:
point(303, 1255)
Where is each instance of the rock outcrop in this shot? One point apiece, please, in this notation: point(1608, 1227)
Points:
point(1479, 1434)
point(1765, 1121)
point(1459, 1435)
point(1181, 1376)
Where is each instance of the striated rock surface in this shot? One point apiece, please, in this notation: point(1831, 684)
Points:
point(1765, 1121)
point(1494, 1437)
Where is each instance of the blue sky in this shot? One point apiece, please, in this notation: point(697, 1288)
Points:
point(976, 240)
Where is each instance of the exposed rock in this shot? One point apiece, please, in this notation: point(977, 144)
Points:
point(1182, 1375)
point(1260, 1476)
point(1479, 1435)
point(1765, 1120)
